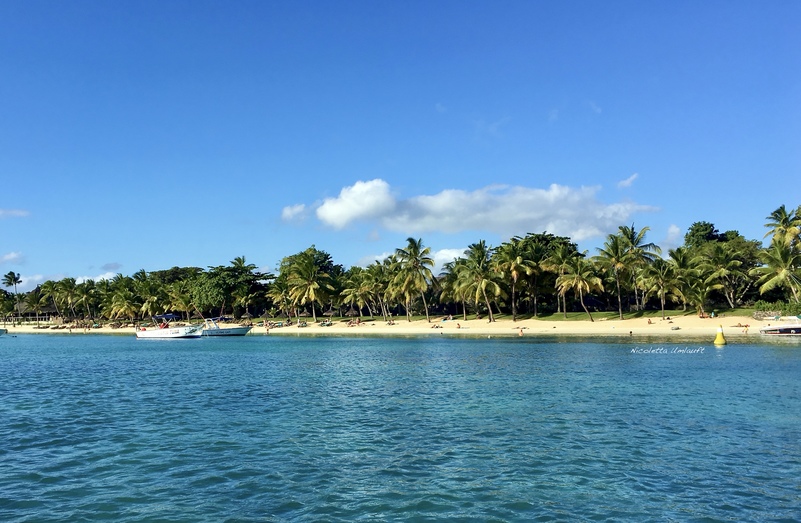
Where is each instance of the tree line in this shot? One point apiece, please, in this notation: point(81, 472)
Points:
point(527, 275)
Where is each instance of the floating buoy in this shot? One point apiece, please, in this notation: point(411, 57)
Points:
point(720, 339)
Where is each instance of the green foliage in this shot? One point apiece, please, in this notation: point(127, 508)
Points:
point(784, 308)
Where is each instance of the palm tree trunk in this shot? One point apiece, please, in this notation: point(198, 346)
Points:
point(425, 305)
point(581, 299)
point(489, 307)
point(514, 307)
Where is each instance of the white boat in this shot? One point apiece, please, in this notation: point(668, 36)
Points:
point(3, 331)
point(789, 328)
point(212, 328)
point(163, 330)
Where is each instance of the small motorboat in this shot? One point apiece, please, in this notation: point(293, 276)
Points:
point(164, 330)
point(212, 328)
point(791, 328)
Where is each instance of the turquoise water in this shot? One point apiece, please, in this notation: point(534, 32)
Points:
point(267, 428)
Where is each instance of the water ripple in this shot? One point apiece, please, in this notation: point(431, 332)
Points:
point(419, 429)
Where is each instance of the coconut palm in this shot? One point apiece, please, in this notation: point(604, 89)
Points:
point(782, 268)
point(66, 294)
point(719, 262)
point(580, 277)
point(50, 291)
point(558, 262)
point(123, 304)
point(414, 271)
point(614, 258)
point(660, 278)
point(358, 289)
point(784, 226)
point(307, 283)
point(638, 254)
point(510, 259)
point(477, 277)
point(12, 279)
point(36, 301)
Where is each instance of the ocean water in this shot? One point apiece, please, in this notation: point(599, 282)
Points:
point(272, 429)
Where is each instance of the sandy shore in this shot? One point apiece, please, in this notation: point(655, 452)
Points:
point(677, 326)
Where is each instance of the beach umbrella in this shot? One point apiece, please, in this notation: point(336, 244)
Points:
point(329, 313)
point(303, 314)
point(247, 315)
point(352, 312)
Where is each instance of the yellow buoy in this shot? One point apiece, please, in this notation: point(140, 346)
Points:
point(720, 339)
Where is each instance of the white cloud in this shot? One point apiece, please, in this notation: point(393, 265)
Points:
point(360, 201)
point(13, 213)
point(293, 212)
point(440, 108)
point(15, 258)
point(105, 276)
point(673, 239)
point(628, 181)
point(594, 107)
point(501, 209)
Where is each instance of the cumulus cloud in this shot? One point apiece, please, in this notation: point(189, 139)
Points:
point(628, 181)
point(105, 276)
point(13, 213)
point(360, 202)
point(501, 209)
point(673, 239)
point(15, 258)
point(293, 212)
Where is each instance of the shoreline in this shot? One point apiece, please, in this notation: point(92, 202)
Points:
point(676, 326)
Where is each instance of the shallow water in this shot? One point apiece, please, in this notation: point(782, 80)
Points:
point(265, 428)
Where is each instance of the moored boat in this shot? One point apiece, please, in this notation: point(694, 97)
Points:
point(792, 328)
point(163, 329)
point(212, 328)
point(3, 331)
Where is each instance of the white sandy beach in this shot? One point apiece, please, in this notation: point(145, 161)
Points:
point(677, 326)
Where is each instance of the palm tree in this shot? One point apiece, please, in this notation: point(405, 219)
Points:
point(279, 294)
point(638, 254)
point(414, 271)
point(580, 277)
point(66, 293)
point(36, 301)
point(720, 264)
point(784, 226)
point(123, 304)
point(558, 262)
point(307, 283)
point(613, 257)
point(358, 289)
point(782, 268)
point(510, 258)
point(50, 291)
point(180, 297)
point(12, 279)
point(477, 277)
point(685, 270)
point(660, 278)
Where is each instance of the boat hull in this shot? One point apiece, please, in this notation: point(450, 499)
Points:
point(781, 330)
point(192, 331)
point(226, 331)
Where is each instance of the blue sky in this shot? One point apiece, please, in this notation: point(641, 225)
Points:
point(146, 135)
